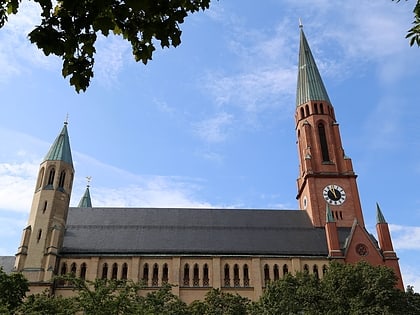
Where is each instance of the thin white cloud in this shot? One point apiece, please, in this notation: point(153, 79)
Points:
point(214, 129)
point(110, 54)
point(253, 91)
point(405, 237)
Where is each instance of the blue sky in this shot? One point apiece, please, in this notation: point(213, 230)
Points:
point(211, 123)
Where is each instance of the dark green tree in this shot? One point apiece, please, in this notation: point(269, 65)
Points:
point(361, 289)
point(105, 297)
point(163, 302)
point(69, 28)
point(299, 294)
point(45, 304)
point(413, 33)
point(13, 288)
point(217, 302)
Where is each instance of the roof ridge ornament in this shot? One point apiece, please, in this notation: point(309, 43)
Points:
point(300, 23)
point(66, 122)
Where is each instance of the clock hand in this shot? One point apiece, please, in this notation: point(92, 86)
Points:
point(332, 189)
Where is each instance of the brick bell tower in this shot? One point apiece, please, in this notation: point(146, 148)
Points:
point(325, 173)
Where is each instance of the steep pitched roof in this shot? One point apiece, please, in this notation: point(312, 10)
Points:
point(60, 149)
point(309, 84)
point(116, 231)
point(85, 201)
point(7, 262)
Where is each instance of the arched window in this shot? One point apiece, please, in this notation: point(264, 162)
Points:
point(236, 280)
point(83, 271)
point(307, 110)
point(62, 179)
point(40, 178)
point(276, 272)
point(73, 268)
point(114, 273)
point(323, 142)
point(105, 271)
point(205, 276)
point(63, 269)
point(316, 108)
point(124, 272)
point(51, 177)
point(196, 276)
point(155, 275)
point(165, 273)
point(324, 269)
point(246, 276)
point(315, 271)
point(145, 273)
point(38, 238)
point(186, 275)
point(302, 113)
point(227, 276)
point(266, 274)
point(285, 270)
point(321, 107)
point(306, 268)
point(44, 208)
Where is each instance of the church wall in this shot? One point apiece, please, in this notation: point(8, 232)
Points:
point(192, 276)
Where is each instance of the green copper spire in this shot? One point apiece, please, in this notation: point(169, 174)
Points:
point(329, 217)
point(85, 202)
point(309, 84)
point(60, 150)
point(379, 216)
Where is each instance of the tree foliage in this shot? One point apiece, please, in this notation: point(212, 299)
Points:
point(13, 288)
point(69, 28)
point(413, 33)
point(344, 289)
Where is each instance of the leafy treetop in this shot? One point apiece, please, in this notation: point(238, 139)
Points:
point(69, 28)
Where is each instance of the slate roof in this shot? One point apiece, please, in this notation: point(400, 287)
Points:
point(309, 85)
point(122, 231)
point(7, 263)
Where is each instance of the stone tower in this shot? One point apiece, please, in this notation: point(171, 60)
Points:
point(42, 238)
point(325, 172)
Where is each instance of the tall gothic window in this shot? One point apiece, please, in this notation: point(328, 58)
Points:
point(196, 276)
point(285, 270)
point(114, 271)
point(323, 142)
point(165, 273)
point(105, 271)
point(236, 280)
point(186, 275)
point(51, 177)
point(83, 271)
point(266, 274)
point(227, 276)
point(62, 179)
point(205, 275)
point(155, 276)
point(246, 276)
point(145, 273)
point(124, 273)
point(276, 272)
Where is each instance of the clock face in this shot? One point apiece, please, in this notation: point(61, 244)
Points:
point(334, 195)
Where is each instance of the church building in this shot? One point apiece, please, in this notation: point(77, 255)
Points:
point(235, 250)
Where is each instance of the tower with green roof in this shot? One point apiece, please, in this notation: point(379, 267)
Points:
point(43, 236)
